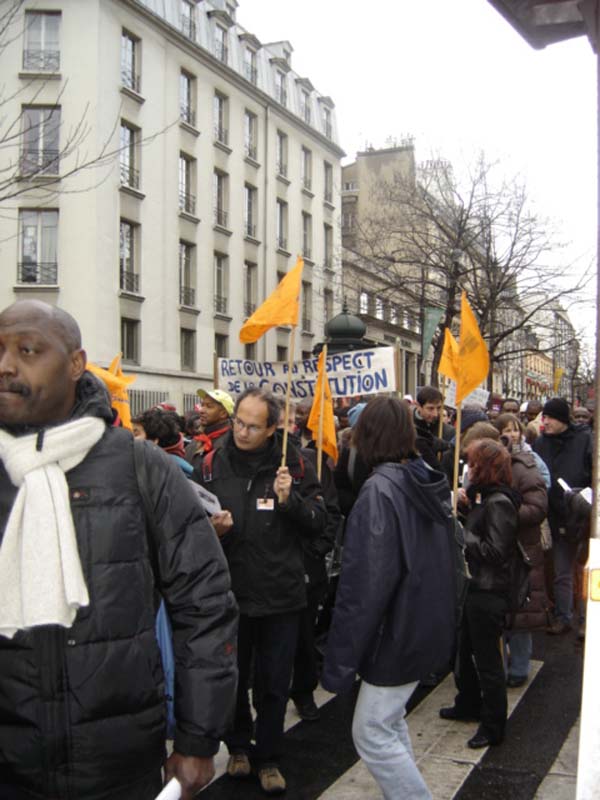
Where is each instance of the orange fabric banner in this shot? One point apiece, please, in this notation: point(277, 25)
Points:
point(280, 307)
point(325, 409)
point(449, 357)
point(473, 357)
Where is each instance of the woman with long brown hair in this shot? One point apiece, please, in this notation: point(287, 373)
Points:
point(490, 538)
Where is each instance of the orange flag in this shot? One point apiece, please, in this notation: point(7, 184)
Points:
point(116, 383)
point(473, 362)
point(323, 407)
point(449, 357)
point(280, 307)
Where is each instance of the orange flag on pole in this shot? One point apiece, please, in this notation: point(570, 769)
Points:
point(116, 383)
point(322, 409)
point(280, 307)
point(449, 357)
point(473, 362)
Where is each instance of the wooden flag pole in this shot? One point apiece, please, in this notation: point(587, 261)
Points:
point(441, 422)
point(456, 459)
point(287, 395)
point(321, 406)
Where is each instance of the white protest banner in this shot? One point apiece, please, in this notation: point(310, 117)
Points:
point(354, 373)
point(478, 397)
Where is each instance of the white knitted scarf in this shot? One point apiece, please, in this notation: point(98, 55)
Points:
point(41, 579)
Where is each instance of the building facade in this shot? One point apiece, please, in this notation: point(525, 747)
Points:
point(371, 293)
point(168, 169)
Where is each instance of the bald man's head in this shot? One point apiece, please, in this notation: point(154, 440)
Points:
point(41, 361)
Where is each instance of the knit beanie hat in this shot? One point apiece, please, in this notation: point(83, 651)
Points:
point(557, 408)
point(354, 413)
point(470, 416)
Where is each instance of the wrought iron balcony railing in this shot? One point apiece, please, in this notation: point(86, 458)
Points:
point(41, 60)
point(40, 272)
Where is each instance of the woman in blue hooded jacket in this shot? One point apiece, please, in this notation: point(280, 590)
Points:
point(394, 619)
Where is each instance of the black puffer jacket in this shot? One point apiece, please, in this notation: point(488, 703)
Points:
point(82, 710)
point(395, 612)
point(491, 536)
point(264, 547)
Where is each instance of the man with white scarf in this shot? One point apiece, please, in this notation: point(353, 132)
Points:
point(82, 706)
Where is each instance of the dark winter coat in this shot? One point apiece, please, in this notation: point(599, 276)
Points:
point(568, 455)
point(528, 482)
point(264, 547)
point(429, 444)
point(316, 549)
point(490, 537)
point(394, 619)
point(82, 710)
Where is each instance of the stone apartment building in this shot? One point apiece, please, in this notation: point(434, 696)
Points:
point(370, 292)
point(168, 169)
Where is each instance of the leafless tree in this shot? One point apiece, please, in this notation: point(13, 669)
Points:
point(430, 236)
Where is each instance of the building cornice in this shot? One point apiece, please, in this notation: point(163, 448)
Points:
point(210, 61)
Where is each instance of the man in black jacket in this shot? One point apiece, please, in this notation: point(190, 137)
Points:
point(567, 452)
point(268, 510)
point(426, 416)
point(82, 701)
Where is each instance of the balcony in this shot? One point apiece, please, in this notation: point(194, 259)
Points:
point(41, 60)
point(187, 296)
point(251, 73)
point(307, 324)
point(186, 114)
point(307, 183)
point(220, 217)
point(282, 243)
point(129, 176)
point(220, 304)
point(328, 196)
point(188, 28)
point(187, 203)
point(221, 135)
point(129, 281)
point(37, 161)
point(250, 230)
point(250, 150)
point(221, 52)
point(307, 253)
point(282, 169)
point(43, 273)
point(249, 309)
point(130, 80)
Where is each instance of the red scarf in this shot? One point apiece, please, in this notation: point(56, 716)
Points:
point(205, 440)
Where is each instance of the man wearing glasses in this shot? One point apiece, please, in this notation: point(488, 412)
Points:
point(267, 510)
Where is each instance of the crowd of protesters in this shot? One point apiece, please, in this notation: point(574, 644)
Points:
point(285, 581)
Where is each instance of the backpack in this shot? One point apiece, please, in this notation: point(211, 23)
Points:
point(519, 593)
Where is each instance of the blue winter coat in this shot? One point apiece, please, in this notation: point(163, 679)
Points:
point(394, 619)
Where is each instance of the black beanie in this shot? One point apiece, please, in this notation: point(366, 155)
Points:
point(557, 408)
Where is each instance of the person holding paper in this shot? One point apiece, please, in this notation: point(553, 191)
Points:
point(268, 509)
point(567, 451)
point(82, 700)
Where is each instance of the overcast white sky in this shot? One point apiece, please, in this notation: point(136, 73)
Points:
point(456, 76)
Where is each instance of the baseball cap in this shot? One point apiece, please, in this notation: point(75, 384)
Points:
point(219, 396)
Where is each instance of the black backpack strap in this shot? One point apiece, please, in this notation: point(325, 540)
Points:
point(141, 476)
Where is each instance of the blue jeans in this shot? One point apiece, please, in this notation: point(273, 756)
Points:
point(520, 646)
point(381, 738)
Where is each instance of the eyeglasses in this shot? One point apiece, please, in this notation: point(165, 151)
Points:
point(252, 429)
